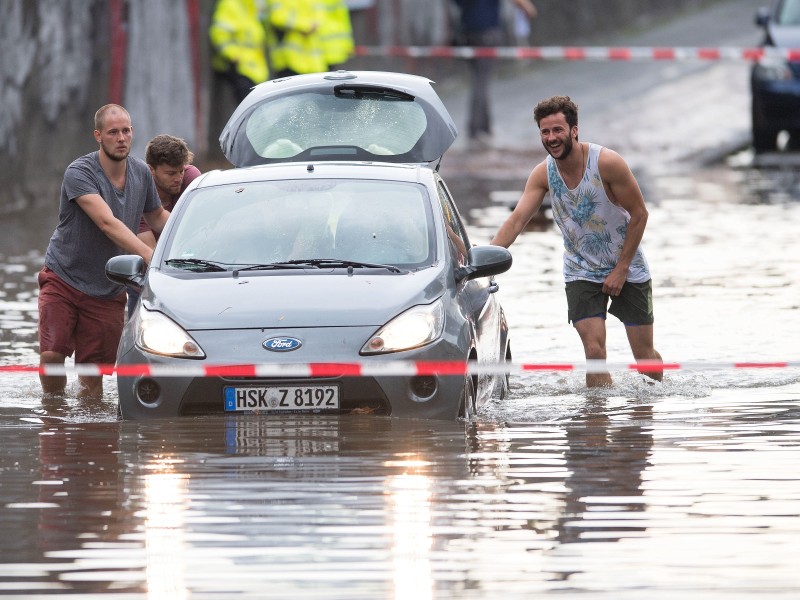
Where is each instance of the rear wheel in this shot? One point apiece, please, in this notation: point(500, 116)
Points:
point(467, 409)
point(505, 382)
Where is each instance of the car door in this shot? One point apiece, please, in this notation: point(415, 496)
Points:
point(477, 295)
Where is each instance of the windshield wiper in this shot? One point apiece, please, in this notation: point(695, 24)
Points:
point(304, 263)
point(269, 266)
point(196, 264)
point(338, 262)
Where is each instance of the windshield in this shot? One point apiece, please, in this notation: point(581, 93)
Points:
point(373, 222)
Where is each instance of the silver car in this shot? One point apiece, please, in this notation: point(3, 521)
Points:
point(334, 240)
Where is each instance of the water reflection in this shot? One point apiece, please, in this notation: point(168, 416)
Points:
point(164, 523)
point(599, 496)
point(689, 488)
point(607, 453)
point(409, 503)
point(82, 497)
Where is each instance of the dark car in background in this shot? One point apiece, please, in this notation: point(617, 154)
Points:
point(334, 240)
point(775, 79)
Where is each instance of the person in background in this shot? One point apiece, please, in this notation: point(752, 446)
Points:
point(239, 43)
point(481, 26)
point(601, 213)
point(170, 162)
point(103, 197)
point(336, 33)
point(294, 42)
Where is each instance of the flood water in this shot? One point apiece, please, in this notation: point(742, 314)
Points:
point(689, 488)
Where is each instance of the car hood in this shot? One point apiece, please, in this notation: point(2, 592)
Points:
point(331, 299)
point(342, 115)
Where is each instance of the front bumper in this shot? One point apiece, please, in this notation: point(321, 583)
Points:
point(428, 396)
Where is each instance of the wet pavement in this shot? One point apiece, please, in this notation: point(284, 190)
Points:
point(686, 489)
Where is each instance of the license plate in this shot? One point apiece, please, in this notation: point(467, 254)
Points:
point(282, 398)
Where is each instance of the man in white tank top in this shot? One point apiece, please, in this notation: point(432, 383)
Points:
point(599, 208)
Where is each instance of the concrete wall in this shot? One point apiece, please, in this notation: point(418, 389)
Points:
point(60, 60)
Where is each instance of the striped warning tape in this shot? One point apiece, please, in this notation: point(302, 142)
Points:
point(382, 368)
point(687, 53)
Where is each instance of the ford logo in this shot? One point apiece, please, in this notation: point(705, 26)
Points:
point(282, 344)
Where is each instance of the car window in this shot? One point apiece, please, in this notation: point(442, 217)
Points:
point(789, 13)
point(289, 126)
point(456, 232)
point(266, 222)
point(358, 116)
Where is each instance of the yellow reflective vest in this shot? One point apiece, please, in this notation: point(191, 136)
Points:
point(238, 37)
point(294, 43)
point(336, 32)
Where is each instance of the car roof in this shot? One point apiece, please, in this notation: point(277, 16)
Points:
point(340, 115)
point(328, 170)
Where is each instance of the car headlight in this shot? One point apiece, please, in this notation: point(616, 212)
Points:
point(418, 326)
point(158, 334)
point(773, 69)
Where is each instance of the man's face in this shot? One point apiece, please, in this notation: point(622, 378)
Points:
point(168, 178)
point(115, 139)
point(557, 136)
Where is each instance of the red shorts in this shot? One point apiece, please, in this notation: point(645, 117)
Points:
point(71, 321)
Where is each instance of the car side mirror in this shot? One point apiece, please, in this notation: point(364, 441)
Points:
point(762, 16)
point(126, 269)
point(484, 261)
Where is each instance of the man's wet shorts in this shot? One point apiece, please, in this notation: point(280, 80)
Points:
point(71, 321)
point(634, 305)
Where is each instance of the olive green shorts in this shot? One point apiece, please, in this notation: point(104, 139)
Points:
point(633, 306)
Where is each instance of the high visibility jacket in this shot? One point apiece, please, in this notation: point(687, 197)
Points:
point(336, 32)
point(238, 37)
point(294, 42)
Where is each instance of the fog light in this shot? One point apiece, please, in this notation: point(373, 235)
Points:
point(148, 391)
point(423, 387)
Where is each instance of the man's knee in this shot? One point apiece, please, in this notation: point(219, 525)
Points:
point(594, 350)
point(48, 357)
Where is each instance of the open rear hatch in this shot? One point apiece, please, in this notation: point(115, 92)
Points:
point(342, 115)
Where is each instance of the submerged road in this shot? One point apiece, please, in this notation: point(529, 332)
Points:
point(688, 489)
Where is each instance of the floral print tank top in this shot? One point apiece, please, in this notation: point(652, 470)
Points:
point(593, 227)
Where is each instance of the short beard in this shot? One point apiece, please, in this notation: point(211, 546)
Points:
point(567, 149)
point(114, 157)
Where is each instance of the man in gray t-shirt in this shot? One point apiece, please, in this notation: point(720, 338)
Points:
point(103, 197)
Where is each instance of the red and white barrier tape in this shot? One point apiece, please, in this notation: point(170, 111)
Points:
point(681, 53)
point(383, 368)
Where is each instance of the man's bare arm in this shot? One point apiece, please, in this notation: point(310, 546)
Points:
point(114, 229)
point(148, 238)
point(156, 219)
point(623, 189)
point(528, 205)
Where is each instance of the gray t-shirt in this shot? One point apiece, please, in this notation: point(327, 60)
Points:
point(78, 250)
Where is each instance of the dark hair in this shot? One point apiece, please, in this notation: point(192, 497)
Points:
point(167, 150)
point(554, 105)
